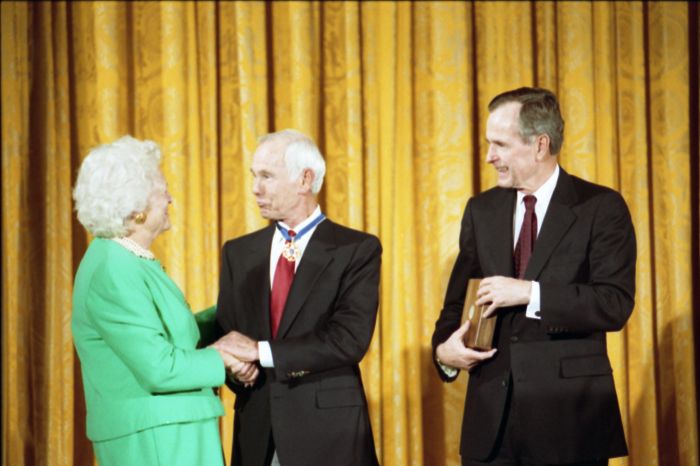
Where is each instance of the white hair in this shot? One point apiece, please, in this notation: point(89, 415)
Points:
point(115, 180)
point(300, 153)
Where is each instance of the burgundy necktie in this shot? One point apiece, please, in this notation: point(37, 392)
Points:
point(526, 240)
point(284, 275)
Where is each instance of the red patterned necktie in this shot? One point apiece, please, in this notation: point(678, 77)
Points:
point(282, 282)
point(526, 240)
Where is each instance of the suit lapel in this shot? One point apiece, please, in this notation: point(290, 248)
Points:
point(259, 272)
point(557, 221)
point(314, 261)
point(498, 222)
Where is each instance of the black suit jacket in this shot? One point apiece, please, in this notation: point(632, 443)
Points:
point(312, 402)
point(557, 369)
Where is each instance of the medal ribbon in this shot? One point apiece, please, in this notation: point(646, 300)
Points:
point(300, 233)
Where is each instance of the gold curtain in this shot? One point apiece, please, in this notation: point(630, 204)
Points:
point(396, 95)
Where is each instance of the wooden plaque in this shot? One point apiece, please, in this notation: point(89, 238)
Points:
point(480, 333)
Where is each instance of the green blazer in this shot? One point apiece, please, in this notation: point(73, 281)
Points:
point(137, 342)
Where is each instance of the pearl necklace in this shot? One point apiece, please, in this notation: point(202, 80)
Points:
point(135, 248)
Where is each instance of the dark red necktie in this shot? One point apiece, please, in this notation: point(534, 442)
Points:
point(526, 240)
point(284, 275)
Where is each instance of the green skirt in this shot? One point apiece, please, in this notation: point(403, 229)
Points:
point(186, 444)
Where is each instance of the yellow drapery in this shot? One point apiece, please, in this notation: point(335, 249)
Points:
point(395, 94)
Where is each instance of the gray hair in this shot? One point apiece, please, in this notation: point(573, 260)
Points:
point(114, 181)
point(300, 153)
point(539, 114)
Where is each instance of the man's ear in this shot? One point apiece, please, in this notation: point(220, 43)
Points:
point(542, 146)
point(306, 180)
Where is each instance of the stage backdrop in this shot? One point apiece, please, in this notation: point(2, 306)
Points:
point(396, 95)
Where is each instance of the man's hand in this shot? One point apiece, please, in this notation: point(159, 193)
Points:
point(243, 348)
point(240, 354)
point(497, 292)
point(244, 372)
point(453, 353)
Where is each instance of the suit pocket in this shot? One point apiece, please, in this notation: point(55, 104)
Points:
point(585, 366)
point(339, 398)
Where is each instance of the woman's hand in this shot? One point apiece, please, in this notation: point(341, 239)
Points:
point(242, 371)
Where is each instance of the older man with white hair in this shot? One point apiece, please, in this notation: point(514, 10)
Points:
point(300, 297)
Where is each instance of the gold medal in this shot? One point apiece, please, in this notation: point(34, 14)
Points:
point(291, 252)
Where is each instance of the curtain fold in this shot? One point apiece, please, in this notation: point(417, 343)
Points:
point(396, 95)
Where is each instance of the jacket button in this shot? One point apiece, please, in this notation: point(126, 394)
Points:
point(514, 338)
point(504, 383)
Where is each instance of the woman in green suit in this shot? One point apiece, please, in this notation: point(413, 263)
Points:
point(148, 383)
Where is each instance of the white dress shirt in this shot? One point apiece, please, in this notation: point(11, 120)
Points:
point(264, 351)
point(543, 195)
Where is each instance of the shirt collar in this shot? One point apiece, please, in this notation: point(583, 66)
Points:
point(545, 192)
point(309, 219)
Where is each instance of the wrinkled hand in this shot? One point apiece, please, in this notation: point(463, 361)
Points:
point(498, 292)
point(244, 372)
point(239, 354)
point(453, 353)
point(240, 346)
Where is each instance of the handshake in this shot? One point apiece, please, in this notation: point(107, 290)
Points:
point(240, 355)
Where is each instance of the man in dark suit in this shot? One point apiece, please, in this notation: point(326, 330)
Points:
point(557, 255)
point(300, 297)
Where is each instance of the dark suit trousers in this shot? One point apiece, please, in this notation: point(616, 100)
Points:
point(507, 450)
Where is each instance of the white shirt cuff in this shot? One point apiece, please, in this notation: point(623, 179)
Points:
point(533, 308)
point(265, 354)
point(447, 370)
